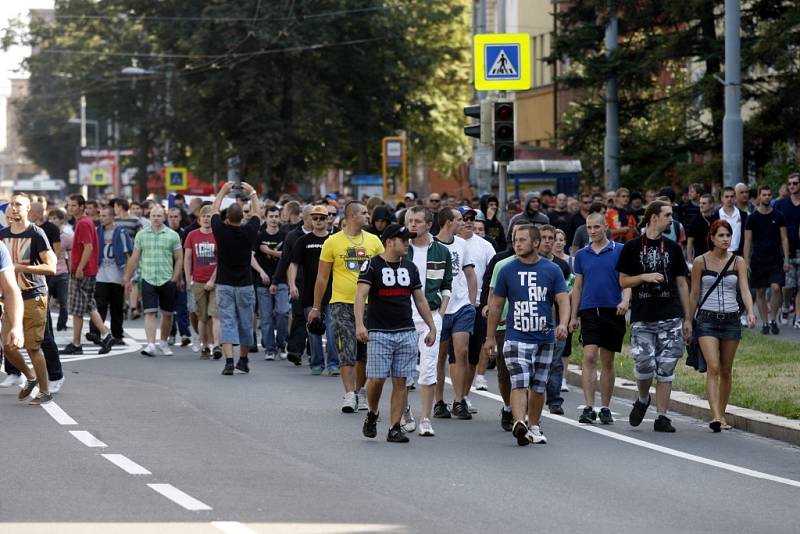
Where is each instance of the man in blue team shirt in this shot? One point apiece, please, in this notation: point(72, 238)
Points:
point(531, 284)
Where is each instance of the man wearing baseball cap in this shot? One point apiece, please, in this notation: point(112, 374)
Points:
point(389, 279)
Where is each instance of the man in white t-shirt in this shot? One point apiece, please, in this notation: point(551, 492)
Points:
point(481, 253)
point(459, 321)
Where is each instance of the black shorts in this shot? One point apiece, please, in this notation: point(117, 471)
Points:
point(603, 327)
point(764, 274)
point(159, 297)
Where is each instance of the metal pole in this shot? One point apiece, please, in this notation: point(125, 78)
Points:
point(611, 156)
point(732, 122)
point(555, 75)
point(83, 121)
point(501, 16)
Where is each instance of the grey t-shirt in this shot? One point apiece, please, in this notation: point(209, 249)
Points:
point(109, 272)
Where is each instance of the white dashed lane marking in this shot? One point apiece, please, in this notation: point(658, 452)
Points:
point(126, 464)
point(87, 438)
point(178, 497)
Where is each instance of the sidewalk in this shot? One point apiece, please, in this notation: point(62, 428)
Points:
point(763, 424)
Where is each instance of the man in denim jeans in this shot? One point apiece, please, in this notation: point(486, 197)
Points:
point(236, 296)
point(273, 299)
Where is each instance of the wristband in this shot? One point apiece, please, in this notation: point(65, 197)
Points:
point(314, 308)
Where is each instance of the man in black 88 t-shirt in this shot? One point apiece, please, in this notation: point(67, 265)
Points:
point(389, 280)
point(655, 270)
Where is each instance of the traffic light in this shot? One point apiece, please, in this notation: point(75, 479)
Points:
point(482, 130)
point(503, 126)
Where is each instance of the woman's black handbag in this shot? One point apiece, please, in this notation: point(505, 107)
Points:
point(694, 355)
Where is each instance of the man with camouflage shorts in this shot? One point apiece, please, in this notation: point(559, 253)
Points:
point(655, 269)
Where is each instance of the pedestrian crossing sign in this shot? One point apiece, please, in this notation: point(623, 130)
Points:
point(502, 61)
point(177, 178)
point(100, 177)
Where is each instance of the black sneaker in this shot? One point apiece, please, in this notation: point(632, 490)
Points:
point(253, 348)
point(295, 358)
point(228, 370)
point(370, 429)
point(588, 416)
point(663, 424)
point(72, 349)
point(637, 414)
point(186, 341)
point(105, 346)
point(243, 365)
point(205, 353)
point(41, 398)
point(27, 389)
point(118, 341)
point(506, 420)
point(441, 411)
point(217, 353)
point(94, 337)
point(556, 409)
point(521, 433)
point(773, 326)
point(765, 329)
point(461, 410)
point(396, 435)
point(605, 416)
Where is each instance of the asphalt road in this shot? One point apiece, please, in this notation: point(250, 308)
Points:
point(271, 452)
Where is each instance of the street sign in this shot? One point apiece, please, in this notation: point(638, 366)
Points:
point(393, 156)
point(100, 177)
point(177, 179)
point(502, 61)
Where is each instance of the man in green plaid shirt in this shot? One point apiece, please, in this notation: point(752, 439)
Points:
point(159, 252)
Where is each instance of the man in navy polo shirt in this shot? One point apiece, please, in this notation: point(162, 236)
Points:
point(600, 306)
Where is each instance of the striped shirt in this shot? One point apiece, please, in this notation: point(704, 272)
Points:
point(157, 250)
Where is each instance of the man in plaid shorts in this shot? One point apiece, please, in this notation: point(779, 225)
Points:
point(532, 284)
point(391, 337)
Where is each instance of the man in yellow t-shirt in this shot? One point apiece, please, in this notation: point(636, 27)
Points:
point(345, 253)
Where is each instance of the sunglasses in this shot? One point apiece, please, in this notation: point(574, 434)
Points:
point(319, 217)
point(794, 183)
point(468, 219)
point(435, 200)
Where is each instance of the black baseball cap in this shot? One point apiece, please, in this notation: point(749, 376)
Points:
point(396, 230)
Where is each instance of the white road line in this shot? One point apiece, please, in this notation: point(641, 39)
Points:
point(658, 448)
point(177, 496)
point(232, 527)
point(58, 414)
point(87, 438)
point(126, 464)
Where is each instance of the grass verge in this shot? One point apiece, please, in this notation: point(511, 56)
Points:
point(766, 374)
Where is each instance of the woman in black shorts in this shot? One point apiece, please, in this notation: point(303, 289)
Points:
point(717, 320)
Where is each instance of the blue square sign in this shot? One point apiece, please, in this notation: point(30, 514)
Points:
point(501, 62)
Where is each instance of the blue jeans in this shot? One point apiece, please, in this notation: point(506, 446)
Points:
point(553, 388)
point(277, 304)
point(236, 306)
point(317, 358)
point(181, 321)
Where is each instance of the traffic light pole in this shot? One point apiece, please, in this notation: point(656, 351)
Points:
point(502, 187)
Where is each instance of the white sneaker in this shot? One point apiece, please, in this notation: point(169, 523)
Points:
point(796, 323)
point(535, 435)
point(407, 420)
point(564, 385)
point(282, 354)
point(55, 385)
point(196, 345)
point(164, 348)
point(470, 407)
point(269, 356)
point(480, 383)
point(12, 381)
point(362, 400)
point(151, 349)
point(349, 402)
point(425, 428)
point(784, 316)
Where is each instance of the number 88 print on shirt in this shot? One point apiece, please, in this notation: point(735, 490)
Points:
point(390, 290)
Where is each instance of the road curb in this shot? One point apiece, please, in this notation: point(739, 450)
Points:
point(763, 424)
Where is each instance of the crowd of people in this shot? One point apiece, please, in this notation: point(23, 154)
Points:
point(367, 290)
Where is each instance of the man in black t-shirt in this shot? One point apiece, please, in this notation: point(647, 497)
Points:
point(697, 233)
point(273, 300)
point(765, 236)
point(389, 280)
point(305, 257)
point(655, 269)
point(33, 260)
point(236, 297)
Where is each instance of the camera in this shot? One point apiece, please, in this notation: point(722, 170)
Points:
point(237, 185)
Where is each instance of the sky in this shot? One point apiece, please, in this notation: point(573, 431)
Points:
point(9, 61)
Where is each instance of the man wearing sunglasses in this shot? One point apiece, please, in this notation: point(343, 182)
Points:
point(789, 206)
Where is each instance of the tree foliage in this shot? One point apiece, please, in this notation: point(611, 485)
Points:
point(291, 87)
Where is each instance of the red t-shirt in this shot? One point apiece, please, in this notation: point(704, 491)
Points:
point(204, 254)
point(85, 234)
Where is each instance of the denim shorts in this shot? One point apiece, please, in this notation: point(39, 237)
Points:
point(391, 354)
point(236, 307)
point(719, 328)
point(462, 320)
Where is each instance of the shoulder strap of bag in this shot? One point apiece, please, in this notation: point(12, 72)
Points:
point(717, 281)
